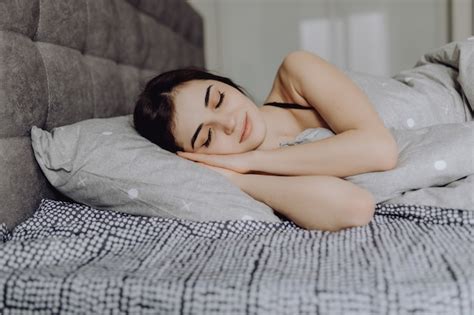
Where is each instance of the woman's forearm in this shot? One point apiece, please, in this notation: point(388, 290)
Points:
point(312, 202)
point(349, 153)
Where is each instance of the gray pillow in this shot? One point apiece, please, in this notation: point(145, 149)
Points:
point(106, 164)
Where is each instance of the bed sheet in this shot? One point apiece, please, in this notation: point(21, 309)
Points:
point(72, 258)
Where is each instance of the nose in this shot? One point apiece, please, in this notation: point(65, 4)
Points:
point(227, 121)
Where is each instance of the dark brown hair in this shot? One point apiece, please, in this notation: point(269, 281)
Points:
point(154, 111)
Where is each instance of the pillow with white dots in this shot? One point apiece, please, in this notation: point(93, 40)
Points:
point(432, 156)
point(106, 164)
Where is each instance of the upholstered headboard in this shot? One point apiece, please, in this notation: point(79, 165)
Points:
point(63, 61)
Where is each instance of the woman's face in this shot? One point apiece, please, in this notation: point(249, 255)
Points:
point(224, 116)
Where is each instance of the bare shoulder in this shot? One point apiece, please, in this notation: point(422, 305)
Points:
point(284, 84)
point(297, 62)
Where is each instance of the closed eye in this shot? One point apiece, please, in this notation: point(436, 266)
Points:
point(208, 142)
point(220, 99)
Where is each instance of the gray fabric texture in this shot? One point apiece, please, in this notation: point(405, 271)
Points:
point(72, 259)
point(428, 110)
point(66, 61)
point(106, 164)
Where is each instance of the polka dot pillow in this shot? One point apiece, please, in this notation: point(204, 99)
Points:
point(106, 164)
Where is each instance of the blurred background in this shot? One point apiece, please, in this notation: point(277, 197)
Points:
point(246, 40)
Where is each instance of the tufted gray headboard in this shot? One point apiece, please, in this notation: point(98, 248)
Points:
point(63, 61)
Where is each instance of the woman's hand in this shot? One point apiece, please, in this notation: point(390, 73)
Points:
point(239, 162)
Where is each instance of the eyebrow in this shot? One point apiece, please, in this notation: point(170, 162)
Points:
point(206, 101)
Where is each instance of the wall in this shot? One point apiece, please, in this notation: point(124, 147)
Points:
point(247, 39)
point(461, 19)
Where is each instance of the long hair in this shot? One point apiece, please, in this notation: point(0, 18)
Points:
point(154, 111)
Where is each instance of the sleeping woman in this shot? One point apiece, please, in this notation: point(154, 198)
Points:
point(209, 119)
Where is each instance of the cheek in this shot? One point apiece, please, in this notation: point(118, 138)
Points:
point(259, 129)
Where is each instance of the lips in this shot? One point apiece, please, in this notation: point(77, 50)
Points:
point(243, 128)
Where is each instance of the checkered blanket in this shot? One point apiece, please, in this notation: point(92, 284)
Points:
point(70, 258)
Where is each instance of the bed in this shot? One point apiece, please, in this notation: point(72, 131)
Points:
point(61, 63)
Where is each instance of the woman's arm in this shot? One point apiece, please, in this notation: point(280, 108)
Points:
point(312, 202)
point(349, 153)
point(362, 143)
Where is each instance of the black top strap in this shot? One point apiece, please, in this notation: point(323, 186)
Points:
point(288, 105)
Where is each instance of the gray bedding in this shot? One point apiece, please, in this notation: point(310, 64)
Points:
point(70, 258)
point(429, 111)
